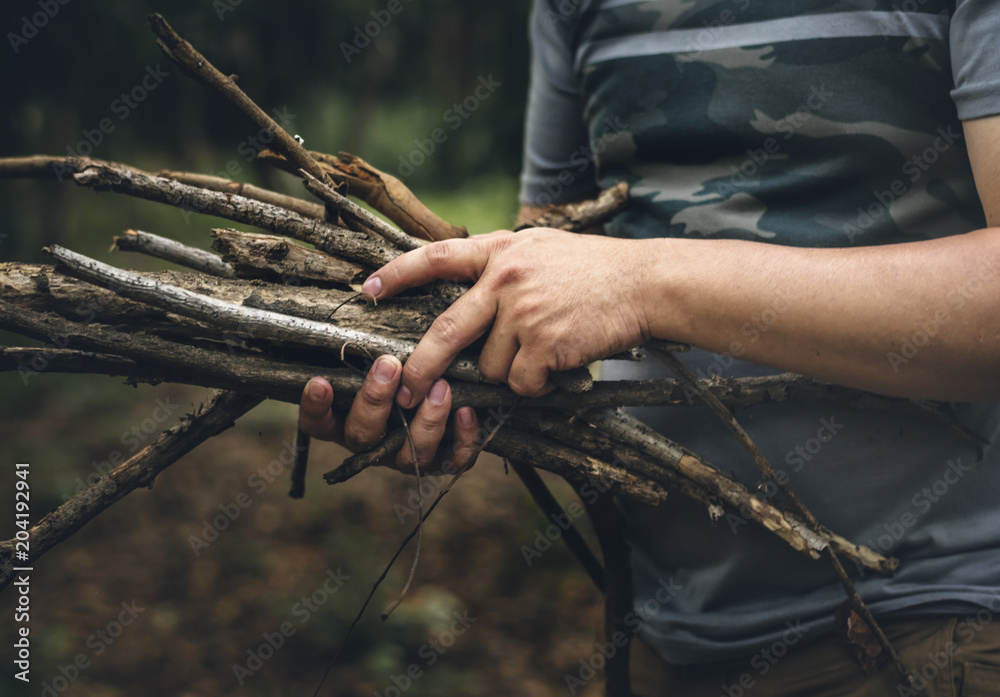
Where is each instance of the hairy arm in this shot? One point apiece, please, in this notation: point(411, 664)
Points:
point(917, 320)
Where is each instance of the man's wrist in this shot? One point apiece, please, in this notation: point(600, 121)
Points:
point(667, 297)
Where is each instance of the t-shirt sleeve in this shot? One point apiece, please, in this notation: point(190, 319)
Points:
point(975, 58)
point(555, 136)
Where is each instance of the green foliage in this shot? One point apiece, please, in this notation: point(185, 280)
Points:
point(206, 610)
point(390, 96)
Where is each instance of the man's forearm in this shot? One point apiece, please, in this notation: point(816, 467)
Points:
point(919, 320)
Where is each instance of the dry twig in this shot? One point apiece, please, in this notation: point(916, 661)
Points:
point(140, 470)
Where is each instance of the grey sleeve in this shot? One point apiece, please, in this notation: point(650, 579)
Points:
point(555, 136)
point(974, 38)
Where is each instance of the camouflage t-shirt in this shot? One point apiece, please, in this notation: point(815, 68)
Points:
point(823, 123)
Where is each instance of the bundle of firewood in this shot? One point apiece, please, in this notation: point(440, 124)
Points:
point(264, 313)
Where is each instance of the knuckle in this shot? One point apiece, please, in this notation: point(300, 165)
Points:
point(527, 387)
point(358, 440)
point(431, 425)
point(492, 371)
point(512, 273)
point(439, 253)
point(414, 373)
point(448, 330)
point(372, 396)
point(405, 459)
point(567, 357)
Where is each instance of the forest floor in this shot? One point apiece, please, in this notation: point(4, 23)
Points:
point(216, 564)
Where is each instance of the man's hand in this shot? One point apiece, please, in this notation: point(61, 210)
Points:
point(550, 300)
point(365, 424)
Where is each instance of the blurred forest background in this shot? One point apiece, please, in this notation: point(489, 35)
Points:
point(202, 613)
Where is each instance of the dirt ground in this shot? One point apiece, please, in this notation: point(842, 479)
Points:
point(215, 582)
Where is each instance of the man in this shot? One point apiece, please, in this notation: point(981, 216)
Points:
point(804, 179)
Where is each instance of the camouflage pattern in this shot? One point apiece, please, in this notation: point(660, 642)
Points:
point(796, 122)
point(825, 141)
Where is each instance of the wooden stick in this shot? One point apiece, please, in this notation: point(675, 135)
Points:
point(769, 475)
point(566, 461)
point(212, 367)
point(59, 167)
point(38, 288)
point(41, 288)
point(800, 534)
point(298, 485)
point(609, 526)
point(531, 449)
point(359, 462)
point(173, 251)
point(544, 499)
point(585, 215)
point(304, 208)
point(354, 246)
point(140, 470)
point(382, 191)
point(357, 217)
point(260, 324)
point(388, 195)
point(169, 361)
point(276, 258)
point(196, 65)
point(193, 63)
point(46, 166)
point(157, 359)
point(767, 472)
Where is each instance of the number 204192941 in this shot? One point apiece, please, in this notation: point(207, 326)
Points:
point(22, 512)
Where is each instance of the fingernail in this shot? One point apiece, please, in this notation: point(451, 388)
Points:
point(372, 287)
point(465, 417)
point(404, 396)
point(438, 390)
point(315, 390)
point(384, 371)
